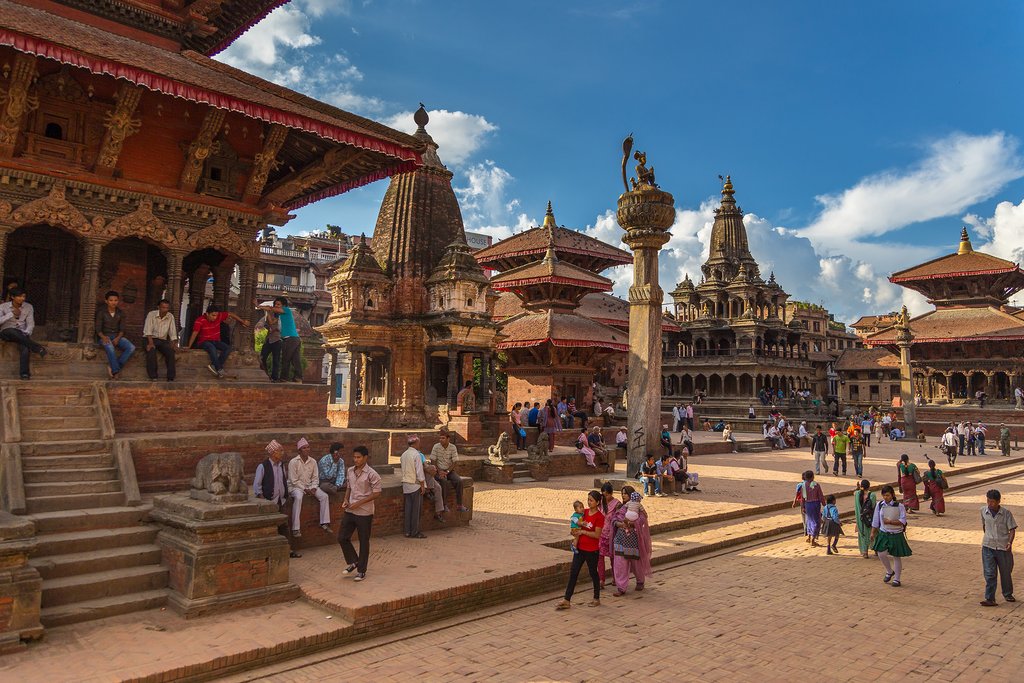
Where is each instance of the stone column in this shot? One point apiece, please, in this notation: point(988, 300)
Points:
point(354, 374)
point(484, 390)
point(222, 284)
point(174, 266)
point(645, 213)
point(903, 340)
point(453, 377)
point(92, 249)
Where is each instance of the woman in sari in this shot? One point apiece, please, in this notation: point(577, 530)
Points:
point(908, 478)
point(609, 504)
point(583, 446)
point(810, 498)
point(552, 423)
point(631, 546)
point(933, 480)
point(864, 502)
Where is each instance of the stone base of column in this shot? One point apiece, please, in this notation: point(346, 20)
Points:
point(498, 474)
point(222, 556)
point(469, 428)
point(21, 587)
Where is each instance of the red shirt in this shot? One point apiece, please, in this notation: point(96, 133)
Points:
point(209, 330)
point(590, 522)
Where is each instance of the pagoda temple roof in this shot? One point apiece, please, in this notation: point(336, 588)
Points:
point(879, 358)
point(550, 270)
point(606, 309)
point(195, 77)
point(530, 244)
point(953, 324)
point(964, 263)
point(560, 329)
point(874, 320)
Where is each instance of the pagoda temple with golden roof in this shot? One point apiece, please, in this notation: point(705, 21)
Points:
point(548, 274)
point(972, 339)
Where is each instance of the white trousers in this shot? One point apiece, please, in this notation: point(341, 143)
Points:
point(325, 507)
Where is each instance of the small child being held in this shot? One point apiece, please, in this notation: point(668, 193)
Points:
point(575, 519)
point(830, 523)
point(632, 509)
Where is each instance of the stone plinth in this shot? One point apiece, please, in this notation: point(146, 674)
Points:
point(468, 428)
point(222, 556)
point(498, 474)
point(20, 584)
point(541, 471)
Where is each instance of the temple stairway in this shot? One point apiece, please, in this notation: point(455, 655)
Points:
point(95, 554)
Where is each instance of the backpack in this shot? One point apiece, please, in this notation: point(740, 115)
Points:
point(867, 513)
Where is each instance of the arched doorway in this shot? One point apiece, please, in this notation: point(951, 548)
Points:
point(686, 386)
point(958, 385)
point(715, 386)
point(979, 382)
point(47, 263)
point(137, 271)
point(730, 386)
point(200, 269)
point(746, 385)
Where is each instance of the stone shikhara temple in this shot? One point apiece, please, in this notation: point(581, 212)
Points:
point(972, 340)
point(412, 312)
point(547, 273)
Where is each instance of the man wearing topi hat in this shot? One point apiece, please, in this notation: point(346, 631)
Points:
point(271, 482)
point(304, 478)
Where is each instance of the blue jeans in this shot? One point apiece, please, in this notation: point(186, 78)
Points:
point(117, 362)
point(654, 481)
point(991, 561)
point(858, 462)
point(218, 351)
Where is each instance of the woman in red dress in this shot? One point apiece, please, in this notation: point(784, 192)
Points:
point(587, 540)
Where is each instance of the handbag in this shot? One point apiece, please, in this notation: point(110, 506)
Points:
point(627, 544)
point(522, 433)
point(943, 483)
point(917, 476)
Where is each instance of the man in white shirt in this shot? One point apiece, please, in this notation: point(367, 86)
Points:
point(999, 530)
point(775, 437)
point(414, 483)
point(161, 337)
point(1018, 399)
point(676, 419)
point(961, 437)
point(948, 444)
point(304, 478)
point(17, 321)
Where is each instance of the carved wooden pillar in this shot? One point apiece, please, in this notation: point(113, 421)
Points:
point(174, 275)
point(5, 230)
point(120, 125)
point(18, 102)
point(244, 308)
point(92, 249)
point(222, 284)
point(483, 392)
point(453, 377)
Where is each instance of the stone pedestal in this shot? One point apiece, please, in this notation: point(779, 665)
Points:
point(20, 584)
point(498, 474)
point(470, 428)
point(541, 471)
point(222, 556)
point(904, 337)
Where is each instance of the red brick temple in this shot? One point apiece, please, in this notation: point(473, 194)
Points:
point(131, 160)
point(972, 340)
point(546, 274)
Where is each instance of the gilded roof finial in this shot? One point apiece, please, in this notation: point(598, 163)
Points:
point(421, 118)
point(549, 217)
point(727, 190)
point(965, 242)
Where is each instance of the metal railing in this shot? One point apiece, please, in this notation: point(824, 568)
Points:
point(278, 287)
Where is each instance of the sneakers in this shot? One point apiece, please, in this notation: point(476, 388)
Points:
point(325, 527)
point(213, 370)
point(360, 576)
point(349, 569)
point(296, 533)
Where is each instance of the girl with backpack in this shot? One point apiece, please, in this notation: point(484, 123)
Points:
point(864, 502)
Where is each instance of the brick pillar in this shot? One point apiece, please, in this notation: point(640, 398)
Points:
point(92, 249)
point(5, 230)
point(453, 377)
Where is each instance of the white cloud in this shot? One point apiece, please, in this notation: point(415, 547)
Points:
point(959, 171)
point(1002, 234)
point(485, 206)
point(458, 135)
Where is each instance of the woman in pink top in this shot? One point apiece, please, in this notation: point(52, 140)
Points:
point(609, 504)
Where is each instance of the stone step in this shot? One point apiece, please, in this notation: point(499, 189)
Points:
point(60, 435)
point(71, 589)
point(64, 488)
point(56, 412)
point(63, 521)
point(31, 399)
point(58, 463)
point(94, 539)
point(31, 422)
point(90, 561)
point(53, 447)
point(522, 480)
point(82, 501)
point(39, 475)
point(102, 607)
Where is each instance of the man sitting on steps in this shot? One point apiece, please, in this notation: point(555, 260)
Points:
point(443, 455)
point(110, 331)
point(304, 477)
point(17, 321)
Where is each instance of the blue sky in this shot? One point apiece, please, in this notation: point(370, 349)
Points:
point(860, 136)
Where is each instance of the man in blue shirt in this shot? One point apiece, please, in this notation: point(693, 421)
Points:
point(563, 413)
point(531, 418)
point(291, 358)
point(865, 429)
point(332, 470)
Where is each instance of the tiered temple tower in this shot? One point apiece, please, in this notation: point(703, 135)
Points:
point(971, 341)
point(551, 349)
point(412, 312)
point(734, 337)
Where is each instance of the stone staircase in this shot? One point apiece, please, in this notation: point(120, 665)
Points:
point(753, 446)
point(520, 471)
point(95, 554)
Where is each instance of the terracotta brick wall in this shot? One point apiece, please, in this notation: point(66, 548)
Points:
point(188, 407)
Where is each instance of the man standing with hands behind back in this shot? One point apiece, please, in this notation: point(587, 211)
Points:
point(414, 483)
point(997, 548)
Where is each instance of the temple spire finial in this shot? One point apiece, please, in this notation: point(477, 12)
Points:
point(727, 190)
point(549, 217)
point(965, 242)
point(421, 118)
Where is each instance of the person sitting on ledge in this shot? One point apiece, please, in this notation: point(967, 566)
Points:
point(207, 330)
point(922, 438)
point(434, 492)
point(161, 337)
point(443, 455)
point(895, 434)
point(460, 398)
point(583, 446)
point(649, 476)
point(17, 321)
point(332, 470)
point(110, 331)
point(667, 468)
point(622, 439)
point(596, 441)
point(304, 477)
point(719, 426)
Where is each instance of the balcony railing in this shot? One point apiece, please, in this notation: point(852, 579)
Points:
point(278, 251)
point(674, 358)
point(278, 287)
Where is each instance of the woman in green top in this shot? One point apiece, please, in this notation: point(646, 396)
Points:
point(933, 481)
point(908, 478)
point(864, 508)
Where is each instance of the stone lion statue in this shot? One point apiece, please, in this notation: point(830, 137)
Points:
point(538, 452)
point(219, 474)
point(499, 453)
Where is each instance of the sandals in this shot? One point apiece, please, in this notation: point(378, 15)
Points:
point(895, 584)
point(564, 604)
point(594, 603)
point(294, 554)
point(618, 594)
point(888, 576)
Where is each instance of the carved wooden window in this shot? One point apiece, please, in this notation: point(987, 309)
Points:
point(66, 122)
point(221, 171)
